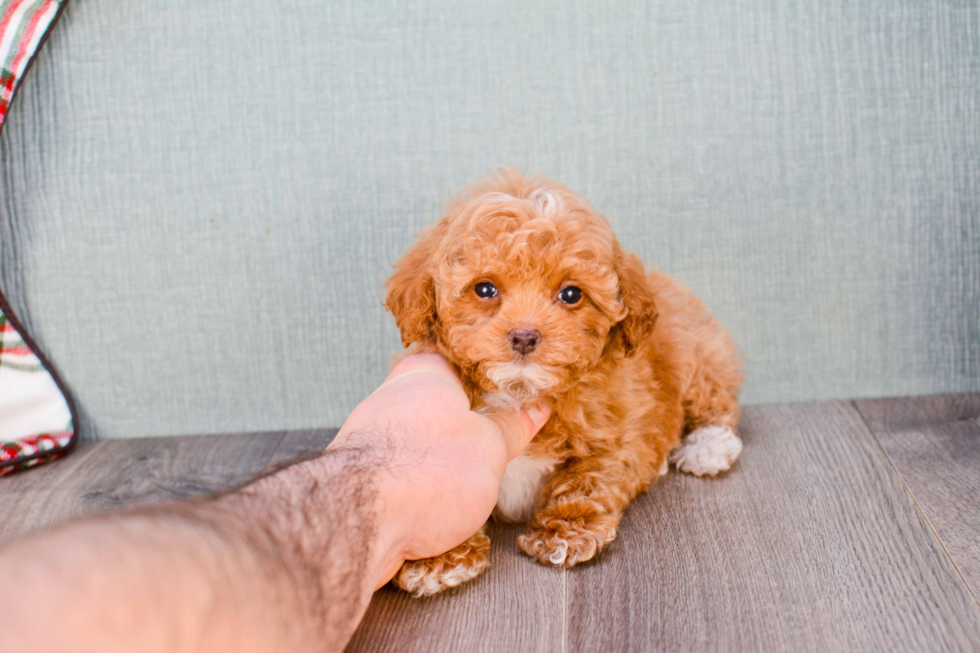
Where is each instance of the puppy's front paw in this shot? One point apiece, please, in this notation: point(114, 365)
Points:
point(556, 540)
point(707, 451)
point(454, 567)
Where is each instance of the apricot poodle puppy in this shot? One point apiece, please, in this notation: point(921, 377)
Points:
point(524, 288)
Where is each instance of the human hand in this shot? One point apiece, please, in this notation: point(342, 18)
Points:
point(290, 560)
point(443, 462)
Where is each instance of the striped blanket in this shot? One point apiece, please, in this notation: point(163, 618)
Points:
point(22, 26)
point(36, 423)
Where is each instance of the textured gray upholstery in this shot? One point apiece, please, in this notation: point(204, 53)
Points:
point(200, 203)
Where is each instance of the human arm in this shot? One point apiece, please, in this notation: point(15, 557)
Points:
point(288, 562)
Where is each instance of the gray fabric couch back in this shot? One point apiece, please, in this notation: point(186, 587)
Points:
point(200, 204)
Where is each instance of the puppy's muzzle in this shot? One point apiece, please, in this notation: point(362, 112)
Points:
point(524, 341)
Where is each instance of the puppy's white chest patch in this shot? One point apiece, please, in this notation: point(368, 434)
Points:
point(520, 487)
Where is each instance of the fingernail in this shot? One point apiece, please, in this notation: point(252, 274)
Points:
point(539, 413)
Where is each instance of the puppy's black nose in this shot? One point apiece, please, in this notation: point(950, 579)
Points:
point(524, 341)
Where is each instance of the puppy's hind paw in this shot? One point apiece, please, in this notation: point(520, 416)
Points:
point(707, 451)
point(433, 575)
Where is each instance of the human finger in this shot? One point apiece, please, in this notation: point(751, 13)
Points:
point(422, 362)
point(519, 428)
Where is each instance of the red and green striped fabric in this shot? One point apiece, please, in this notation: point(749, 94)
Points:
point(23, 23)
point(35, 417)
point(36, 423)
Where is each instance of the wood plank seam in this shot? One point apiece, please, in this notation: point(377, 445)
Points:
point(908, 490)
point(564, 610)
point(272, 455)
point(258, 472)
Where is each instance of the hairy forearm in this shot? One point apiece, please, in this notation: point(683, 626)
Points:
point(286, 563)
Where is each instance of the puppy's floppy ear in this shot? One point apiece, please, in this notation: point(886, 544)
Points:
point(411, 290)
point(637, 297)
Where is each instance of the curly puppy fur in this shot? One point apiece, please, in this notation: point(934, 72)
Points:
point(631, 367)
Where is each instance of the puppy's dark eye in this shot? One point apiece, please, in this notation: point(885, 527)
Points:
point(570, 295)
point(485, 290)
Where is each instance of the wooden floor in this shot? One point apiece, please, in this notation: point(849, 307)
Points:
point(843, 526)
